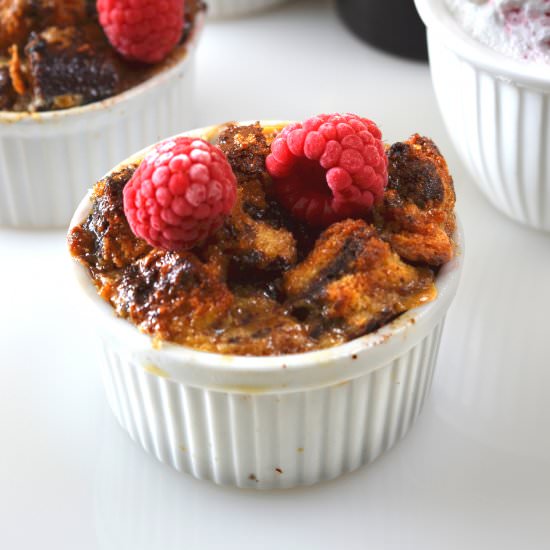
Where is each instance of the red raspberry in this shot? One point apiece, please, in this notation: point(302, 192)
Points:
point(142, 30)
point(180, 193)
point(328, 168)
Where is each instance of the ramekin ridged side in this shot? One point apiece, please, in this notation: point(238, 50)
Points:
point(497, 113)
point(236, 8)
point(270, 440)
point(269, 422)
point(48, 160)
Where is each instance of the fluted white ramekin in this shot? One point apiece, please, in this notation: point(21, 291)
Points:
point(237, 8)
point(497, 112)
point(47, 160)
point(269, 422)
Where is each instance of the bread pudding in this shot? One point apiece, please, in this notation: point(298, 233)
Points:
point(55, 55)
point(268, 278)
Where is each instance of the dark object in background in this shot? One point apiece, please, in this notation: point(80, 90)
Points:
point(392, 25)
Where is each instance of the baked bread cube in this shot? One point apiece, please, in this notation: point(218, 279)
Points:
point(352, 282)
point(417, 213)
point(66, 71)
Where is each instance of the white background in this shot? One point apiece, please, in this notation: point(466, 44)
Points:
point(474, 473)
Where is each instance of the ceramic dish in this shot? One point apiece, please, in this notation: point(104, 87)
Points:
point(269, 422)
point(497, 113)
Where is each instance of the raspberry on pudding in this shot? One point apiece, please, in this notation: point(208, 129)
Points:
point(343, 154)
point(180, 193)
point(58, 55)
point(280, 274)
point(141, 30)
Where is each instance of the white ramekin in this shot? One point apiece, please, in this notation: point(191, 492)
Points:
point(47, 160)
point(269, 422)
point(497, 112)
point(237, 8)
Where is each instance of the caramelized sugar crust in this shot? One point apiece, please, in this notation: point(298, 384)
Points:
point(247, 238)
point(353, 281)
point(105, 241)
point(417, 214)
point(265, 284)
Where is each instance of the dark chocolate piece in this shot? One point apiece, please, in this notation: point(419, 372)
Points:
point(415, 179)
point(7, 94)
point(65, 71)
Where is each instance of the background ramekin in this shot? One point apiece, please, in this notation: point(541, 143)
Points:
point(237, 8)
point(497, 112)
point(269, 422)
point(47, 160)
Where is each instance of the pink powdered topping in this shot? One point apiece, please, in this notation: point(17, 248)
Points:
point(516, 28)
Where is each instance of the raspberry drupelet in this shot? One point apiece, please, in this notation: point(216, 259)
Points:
point(328, 168)
point(180, 193)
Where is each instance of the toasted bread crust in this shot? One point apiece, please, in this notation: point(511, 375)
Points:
point(353, 282)
point(417, 214)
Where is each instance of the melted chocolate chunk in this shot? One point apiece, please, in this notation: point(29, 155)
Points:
point(65, 71)
point(415, 179)
point(7, 94)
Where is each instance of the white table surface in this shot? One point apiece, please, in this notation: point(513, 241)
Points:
point(474, 473)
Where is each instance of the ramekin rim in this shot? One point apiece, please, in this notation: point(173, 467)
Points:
point(446, 283)
point(26, 117)
point(437, 18)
